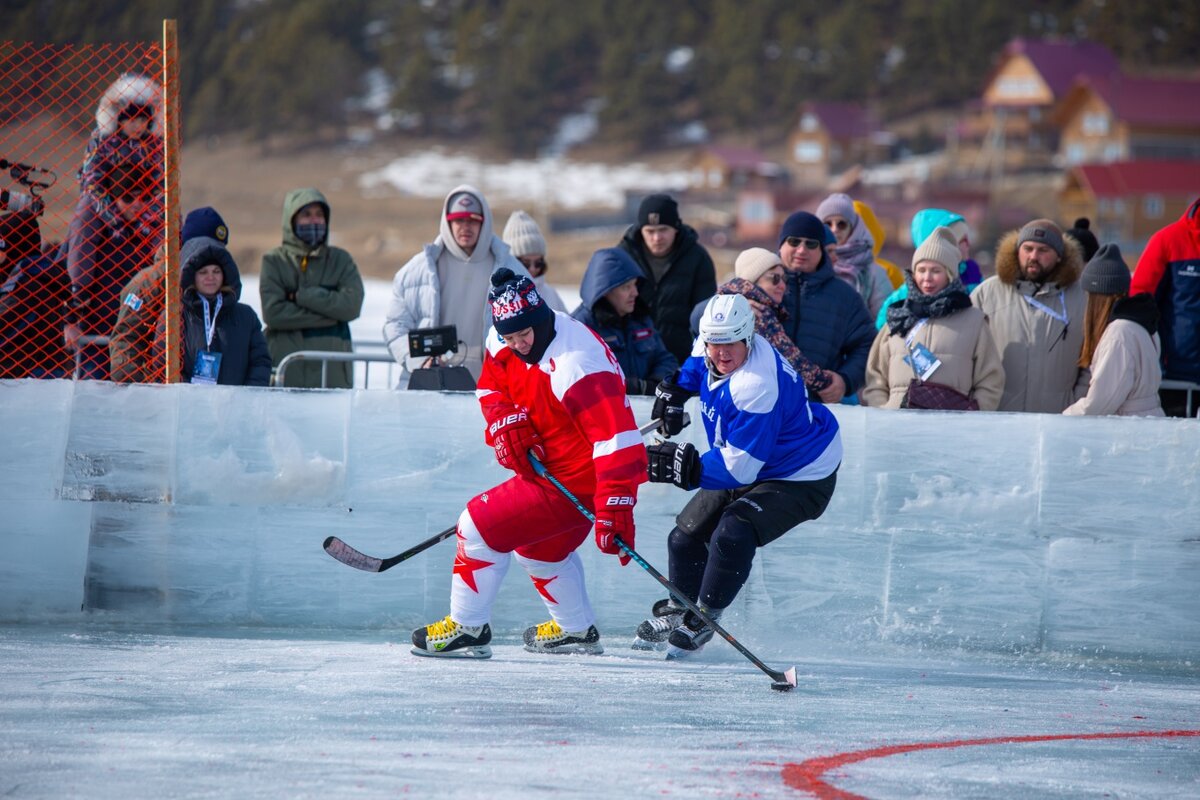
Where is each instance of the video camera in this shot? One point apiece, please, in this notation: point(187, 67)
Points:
point(434, 343)
point(38, 179)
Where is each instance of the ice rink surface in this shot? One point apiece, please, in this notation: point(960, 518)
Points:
point(91, 711)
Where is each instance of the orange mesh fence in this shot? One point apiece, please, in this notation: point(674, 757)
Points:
point(82, 210)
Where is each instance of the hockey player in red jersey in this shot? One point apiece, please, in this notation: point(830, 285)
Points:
point(551, 386)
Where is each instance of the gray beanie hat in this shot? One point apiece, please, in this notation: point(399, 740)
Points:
point(1043, 231)
point(523, 236)
point(838, 205)
point(1106, 273)
point(942, 247)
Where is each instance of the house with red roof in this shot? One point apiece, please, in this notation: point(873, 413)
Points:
point(1029, 80)
point(830, 137)
point(1127, 201)
point(1126, 118)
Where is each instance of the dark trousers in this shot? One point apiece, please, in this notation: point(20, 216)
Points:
point(716, 534)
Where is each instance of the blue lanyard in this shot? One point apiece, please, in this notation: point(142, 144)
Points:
point(210, 322)
point(1040, 306)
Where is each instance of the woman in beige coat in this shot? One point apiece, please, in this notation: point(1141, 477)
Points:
point(935, 336)
point(1120, 342)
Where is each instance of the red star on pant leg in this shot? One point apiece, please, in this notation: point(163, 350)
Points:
point(465, 566)
point(540, 584)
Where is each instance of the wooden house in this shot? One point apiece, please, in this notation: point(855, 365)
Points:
point(1126, 118)
point(829, 138)
point(1127, 201)
point(721, 168)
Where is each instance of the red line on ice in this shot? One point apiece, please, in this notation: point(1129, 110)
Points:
point(808, 776)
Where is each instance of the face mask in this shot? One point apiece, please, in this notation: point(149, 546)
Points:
point(312, 234)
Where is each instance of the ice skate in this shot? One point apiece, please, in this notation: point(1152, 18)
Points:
point(549, 637)
point(447, 639)
point(652, 633)
point(691, 635)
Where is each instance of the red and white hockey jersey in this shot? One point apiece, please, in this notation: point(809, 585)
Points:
point(575, 398)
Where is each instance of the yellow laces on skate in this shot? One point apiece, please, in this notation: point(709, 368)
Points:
point(549, 630)
point(441, 629)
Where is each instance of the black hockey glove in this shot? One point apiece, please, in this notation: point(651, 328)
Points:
point(669, 399)
point(672, 462)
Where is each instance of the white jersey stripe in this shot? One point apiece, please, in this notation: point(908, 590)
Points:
point(741, 465)
point(619, 442)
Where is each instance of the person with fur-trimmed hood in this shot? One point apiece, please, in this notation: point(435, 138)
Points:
point(612, 306)
point(447, 283)
point(1035, 306)
point(311, 291)
point(129, 129)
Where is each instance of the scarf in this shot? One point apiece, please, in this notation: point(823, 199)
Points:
point(904, 314)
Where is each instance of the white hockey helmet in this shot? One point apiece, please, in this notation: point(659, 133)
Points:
point(727, 318)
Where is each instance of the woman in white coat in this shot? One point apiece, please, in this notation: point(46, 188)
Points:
point(1120, 342)
point(936, 350)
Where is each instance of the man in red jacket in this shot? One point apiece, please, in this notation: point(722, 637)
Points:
point(549, 386)
point(1169, 269)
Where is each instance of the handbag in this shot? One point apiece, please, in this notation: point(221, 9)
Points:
point(936, 397)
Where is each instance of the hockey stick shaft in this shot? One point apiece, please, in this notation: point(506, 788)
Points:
point(353, 558)
point(788, 677)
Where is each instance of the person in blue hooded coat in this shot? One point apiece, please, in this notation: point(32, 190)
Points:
point(612, 306)
point(222, 339)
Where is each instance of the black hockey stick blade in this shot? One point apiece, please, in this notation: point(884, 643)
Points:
point(353, 558)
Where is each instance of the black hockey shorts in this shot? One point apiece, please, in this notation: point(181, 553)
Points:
point(772, 508)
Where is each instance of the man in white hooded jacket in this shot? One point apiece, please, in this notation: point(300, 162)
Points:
point(447, 282)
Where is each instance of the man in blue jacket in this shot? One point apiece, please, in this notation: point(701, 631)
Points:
point(612, 306)
point(772, 464)
point(827, 318)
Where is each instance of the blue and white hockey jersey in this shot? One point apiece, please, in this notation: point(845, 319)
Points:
point(759, 422)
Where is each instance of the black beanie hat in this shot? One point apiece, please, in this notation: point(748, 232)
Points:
point(1081, 232)
point(659, 209)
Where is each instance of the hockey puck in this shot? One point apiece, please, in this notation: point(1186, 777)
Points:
point(782, 687)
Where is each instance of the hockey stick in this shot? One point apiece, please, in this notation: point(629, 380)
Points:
point(353, 558)
point(783, 681)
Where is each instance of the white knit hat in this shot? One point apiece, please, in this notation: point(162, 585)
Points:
point(941, 246)
point(752, 264)
point(523, 236)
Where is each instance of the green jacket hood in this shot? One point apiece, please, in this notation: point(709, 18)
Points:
point(295, 200)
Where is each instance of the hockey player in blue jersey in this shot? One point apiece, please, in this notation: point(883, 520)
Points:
point(772, 464)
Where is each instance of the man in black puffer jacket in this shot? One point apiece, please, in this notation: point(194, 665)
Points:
point(679, 271)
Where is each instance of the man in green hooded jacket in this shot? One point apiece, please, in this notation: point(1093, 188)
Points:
point(311, 291)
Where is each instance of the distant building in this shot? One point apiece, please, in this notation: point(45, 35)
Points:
point(1126, 118)
point(721, 168)
point(1030, 79)
point(831, 137)
point(1127, 201)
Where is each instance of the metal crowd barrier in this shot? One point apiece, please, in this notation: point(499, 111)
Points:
point(325, 357)
point(1192, 389)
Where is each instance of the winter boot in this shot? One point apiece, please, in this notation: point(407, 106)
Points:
point(549, 637)
point(652, 633)
point(691, 636)
point(447, 639)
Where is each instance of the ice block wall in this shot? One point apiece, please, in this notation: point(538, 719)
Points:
point(205, 506)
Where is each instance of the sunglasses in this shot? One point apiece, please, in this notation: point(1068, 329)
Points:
point(840, 225)
point(775, 278)
point(532, 264)
point(796, 241)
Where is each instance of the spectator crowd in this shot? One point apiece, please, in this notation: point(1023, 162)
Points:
point(1064, 325)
